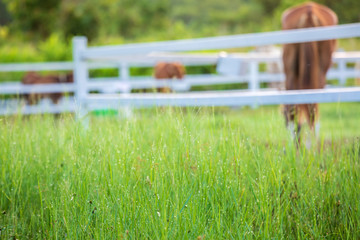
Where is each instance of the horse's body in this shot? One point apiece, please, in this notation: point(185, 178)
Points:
point(168, 71)
point(306, 64)
point(35, 78)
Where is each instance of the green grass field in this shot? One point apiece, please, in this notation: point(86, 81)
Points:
point(198, 173)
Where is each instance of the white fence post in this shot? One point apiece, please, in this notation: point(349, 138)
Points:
point(81, 75)
point(342, 72)
point(125, 111)
point(124, 71)
point(254, 76)
point(124, 74)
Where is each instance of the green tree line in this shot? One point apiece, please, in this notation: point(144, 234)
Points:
point(128, 19)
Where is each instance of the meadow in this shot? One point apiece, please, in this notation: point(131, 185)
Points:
point(175, 173)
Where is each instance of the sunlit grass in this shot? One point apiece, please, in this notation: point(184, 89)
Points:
point(179, 174)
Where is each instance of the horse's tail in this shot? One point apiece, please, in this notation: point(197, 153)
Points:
point(309, 55)
point(309, 67)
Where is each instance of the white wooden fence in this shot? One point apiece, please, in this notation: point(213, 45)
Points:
point(142, 55)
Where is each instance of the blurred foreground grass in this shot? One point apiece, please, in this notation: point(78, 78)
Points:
point(179, 174)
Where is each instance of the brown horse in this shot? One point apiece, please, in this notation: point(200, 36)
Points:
point(306, 64)
point(168, 71)
point(35, 78)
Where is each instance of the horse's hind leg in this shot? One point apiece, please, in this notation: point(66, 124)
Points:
point(292, 122)
point(312, 116)
point(311, 111)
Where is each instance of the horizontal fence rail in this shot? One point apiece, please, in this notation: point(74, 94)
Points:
point(149, 60)
point(13, 106)
point(143, 61)
point(10, 88)
point(220, 98)
point(25, 67)
point(225, 98)
point(235, 41)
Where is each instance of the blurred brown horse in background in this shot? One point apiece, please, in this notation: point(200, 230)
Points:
point(171, 70)
point(306, 64)
point(35, 78)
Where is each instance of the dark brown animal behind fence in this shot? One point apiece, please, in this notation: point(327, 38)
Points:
point(171, 70)
point(306, 64)
point(35, 78)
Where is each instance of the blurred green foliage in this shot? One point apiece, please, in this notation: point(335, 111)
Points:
point(37, 30)
point(36, 20)
point(36, 17)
